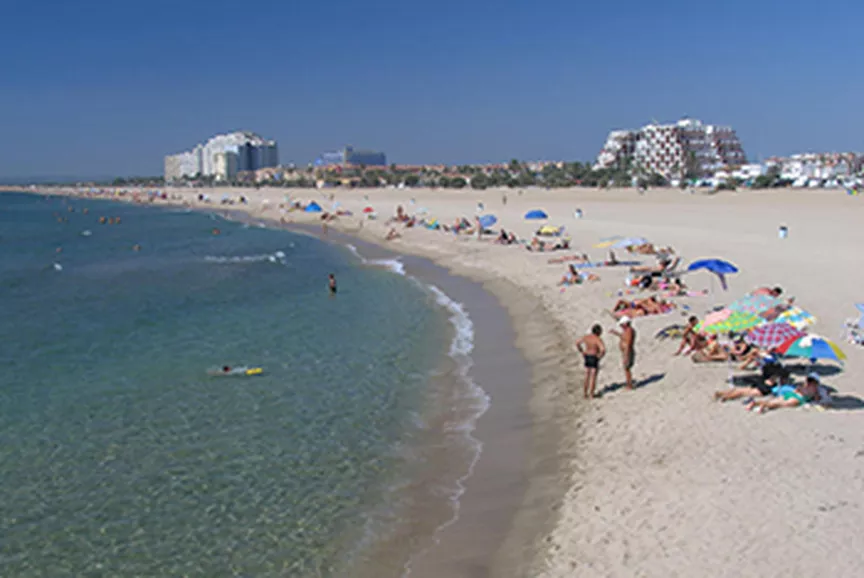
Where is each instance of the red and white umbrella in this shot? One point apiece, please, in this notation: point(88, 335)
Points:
point(368, 210)
point(773, 334)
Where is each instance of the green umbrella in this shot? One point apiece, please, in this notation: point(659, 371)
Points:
point(737, 321)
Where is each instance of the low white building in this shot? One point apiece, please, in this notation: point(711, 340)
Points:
point(750, 171)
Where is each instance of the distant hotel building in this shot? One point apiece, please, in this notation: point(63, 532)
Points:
point(671, 149)
point(348, 157)
point(222, 157)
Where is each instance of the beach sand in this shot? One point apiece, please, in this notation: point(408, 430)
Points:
point(660, 481)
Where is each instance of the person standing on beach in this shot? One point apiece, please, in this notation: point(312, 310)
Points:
point(593, 349)
point(627, 343)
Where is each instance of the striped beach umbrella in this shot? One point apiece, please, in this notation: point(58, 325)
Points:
point(812, 347)
point(796, 317)
point(771, 335)
point(737, 321)
point(754, 304)
point(716, 317)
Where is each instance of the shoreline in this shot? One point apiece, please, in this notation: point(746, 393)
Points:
point(517, 550)
point(551, 368)
point(661, 481)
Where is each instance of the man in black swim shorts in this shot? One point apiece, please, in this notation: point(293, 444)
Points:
point(331, 281)
point(592, 349)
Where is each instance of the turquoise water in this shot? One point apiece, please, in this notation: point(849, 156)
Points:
point(121, 457)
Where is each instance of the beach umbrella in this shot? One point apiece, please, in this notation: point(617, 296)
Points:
point(716, 317)
point(796, 317)
point(771, 335)
point(737, 321)
point(629, 242)
point(313, 207)
point(719, 267)
point(812, 347)
point(487, 221)
point(549, 231)
point(368, 210)
point(607, 241)
point(536, 214)
point(716, 266)
point(755, 304)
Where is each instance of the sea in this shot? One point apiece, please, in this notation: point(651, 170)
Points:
point(121, 453)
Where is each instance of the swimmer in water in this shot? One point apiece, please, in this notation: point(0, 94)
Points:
point(216, 231)
point(101, 220)
point(136, 247)
point(331, 282)
point(226, 369)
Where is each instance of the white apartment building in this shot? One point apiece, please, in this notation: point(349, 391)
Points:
point(185, 164)
point(225, 165)
point(250, 152)
point(671, 149)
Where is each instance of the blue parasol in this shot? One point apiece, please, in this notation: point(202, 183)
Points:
point(487, 221)
point(536, 214)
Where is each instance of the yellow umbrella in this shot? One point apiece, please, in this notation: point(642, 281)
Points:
point(548, 230)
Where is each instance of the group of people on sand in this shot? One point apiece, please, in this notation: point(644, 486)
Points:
point(593, 350)
point(774, 386)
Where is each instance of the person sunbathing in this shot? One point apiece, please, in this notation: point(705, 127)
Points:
point(691, 339)
point(712, 351)
point(576, 277)
point(536, 245)
point(641, 307)
point(740, 349)
point(664, 265)
point(583, 258)
point(789, 396)
point(643, 249)
point(612, 260)
point(763, 388)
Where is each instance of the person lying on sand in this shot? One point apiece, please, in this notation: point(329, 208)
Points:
point(583, 258)
point(664, 265)
point(768, 291)
point(647, 306)
point(576, 277)
point(781, 396)
point(540, 246)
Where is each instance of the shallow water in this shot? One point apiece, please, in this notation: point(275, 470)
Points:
point(120, 455)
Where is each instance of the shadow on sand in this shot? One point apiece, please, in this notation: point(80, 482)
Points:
point(638, 384)
point(845, 402)
point(818, 368)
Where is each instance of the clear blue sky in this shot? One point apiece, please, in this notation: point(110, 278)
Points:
point(101, 87)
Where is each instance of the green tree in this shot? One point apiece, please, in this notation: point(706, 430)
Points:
point(411, 180)
point(458, 183)
point(479, 181)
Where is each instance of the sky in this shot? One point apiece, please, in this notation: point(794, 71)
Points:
point(108, 87)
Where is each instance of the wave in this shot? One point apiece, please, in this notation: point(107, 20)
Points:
point(277, 257)
point(474, 396)
point(394, 265)
point(460, 351)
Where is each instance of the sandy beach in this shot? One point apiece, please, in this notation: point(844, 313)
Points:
point(659, 481)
